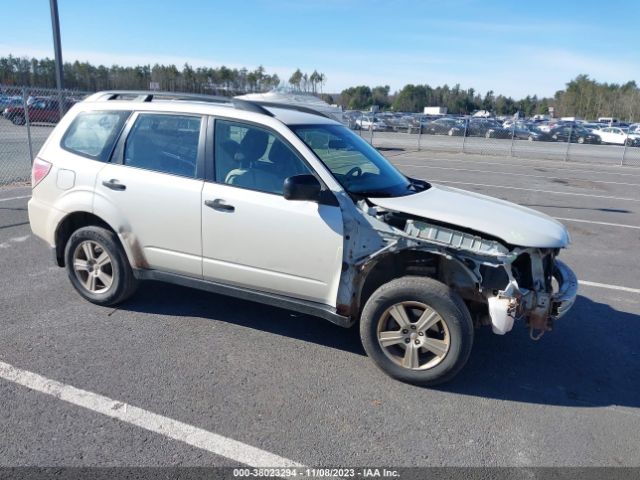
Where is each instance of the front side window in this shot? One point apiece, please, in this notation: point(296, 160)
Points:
point(355, 164)
point(93, 134)
point(164, 143)
point(251, 157)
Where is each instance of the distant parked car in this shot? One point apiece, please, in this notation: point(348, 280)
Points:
point(487, 127)
point(592, 127)
point(40, 110)
point(538, 135)
point(369, 123)
point(9, 101)
point(618, 136)
point(574, 134)
point(524, 131)
point(445, 126)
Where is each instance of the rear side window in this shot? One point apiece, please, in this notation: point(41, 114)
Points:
point(164, 143)
point(93, 134)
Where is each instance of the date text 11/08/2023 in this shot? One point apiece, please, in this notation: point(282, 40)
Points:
point(316, 472)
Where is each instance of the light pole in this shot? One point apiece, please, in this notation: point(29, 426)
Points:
point(57, 50)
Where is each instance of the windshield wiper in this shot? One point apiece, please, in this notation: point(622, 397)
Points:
point(372, 193)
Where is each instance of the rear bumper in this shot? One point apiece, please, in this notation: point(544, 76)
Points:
point(565, 297)
point(43, 220)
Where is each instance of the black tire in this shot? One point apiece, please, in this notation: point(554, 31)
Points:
point(18, 120)
point(123, 285)
point(437, 296)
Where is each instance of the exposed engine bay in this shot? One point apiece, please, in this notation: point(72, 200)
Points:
point(500, 283)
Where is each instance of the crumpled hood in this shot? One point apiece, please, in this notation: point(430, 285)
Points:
point(507, 221)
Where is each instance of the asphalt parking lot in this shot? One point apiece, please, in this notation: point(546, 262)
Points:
point(300, 388)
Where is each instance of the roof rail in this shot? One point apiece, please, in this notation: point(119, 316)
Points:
point(255, 106)
point(148, 96)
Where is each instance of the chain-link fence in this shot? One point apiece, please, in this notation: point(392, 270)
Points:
point(555, 140)
point(28, 116)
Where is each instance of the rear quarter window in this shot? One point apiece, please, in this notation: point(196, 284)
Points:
point(93, 134)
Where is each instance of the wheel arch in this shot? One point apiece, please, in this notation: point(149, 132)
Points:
point(72, 222)
point(393, 265)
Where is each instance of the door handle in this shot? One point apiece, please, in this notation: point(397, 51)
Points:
point(219, 205)
point(113, 184)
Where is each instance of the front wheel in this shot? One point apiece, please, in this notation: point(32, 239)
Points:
point(98, 267)
point(417, 330)
point(18, 120)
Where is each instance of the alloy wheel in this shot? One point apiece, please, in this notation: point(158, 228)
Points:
point(413, 335)
point(93, 266)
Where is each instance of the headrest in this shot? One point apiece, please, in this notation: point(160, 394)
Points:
point(254, 144)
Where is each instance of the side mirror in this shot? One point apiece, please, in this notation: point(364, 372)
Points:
point(302, 187)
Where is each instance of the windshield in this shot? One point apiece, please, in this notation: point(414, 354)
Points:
point(355, 164)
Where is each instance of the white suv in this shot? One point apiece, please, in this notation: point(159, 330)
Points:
point(281, 205)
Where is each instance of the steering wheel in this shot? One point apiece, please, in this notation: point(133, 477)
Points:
point(354, 172)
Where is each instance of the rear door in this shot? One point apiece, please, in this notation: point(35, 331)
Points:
point(252, 236)
point(151, 192)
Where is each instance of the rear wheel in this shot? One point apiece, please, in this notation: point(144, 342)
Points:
point(417, 330)
point(98, 267)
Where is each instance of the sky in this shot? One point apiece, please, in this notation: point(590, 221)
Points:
point(514, 47)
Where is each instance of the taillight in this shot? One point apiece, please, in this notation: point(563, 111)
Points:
point(39, 170)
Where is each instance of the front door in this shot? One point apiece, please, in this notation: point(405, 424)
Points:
point(252, 236)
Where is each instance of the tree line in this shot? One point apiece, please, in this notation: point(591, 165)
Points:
point(583, 97)
point(587, 98)
point(33, 72)
point(413, 98)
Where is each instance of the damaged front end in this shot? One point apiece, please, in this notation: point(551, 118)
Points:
point(501, 284)
point(527, 284)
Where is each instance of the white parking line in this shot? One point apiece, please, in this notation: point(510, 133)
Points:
point(622, 225)
point(14, 198)
point(609, 287)
point(538, 190)
point(7, 244)
point(183, 432)
point(546, 177)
